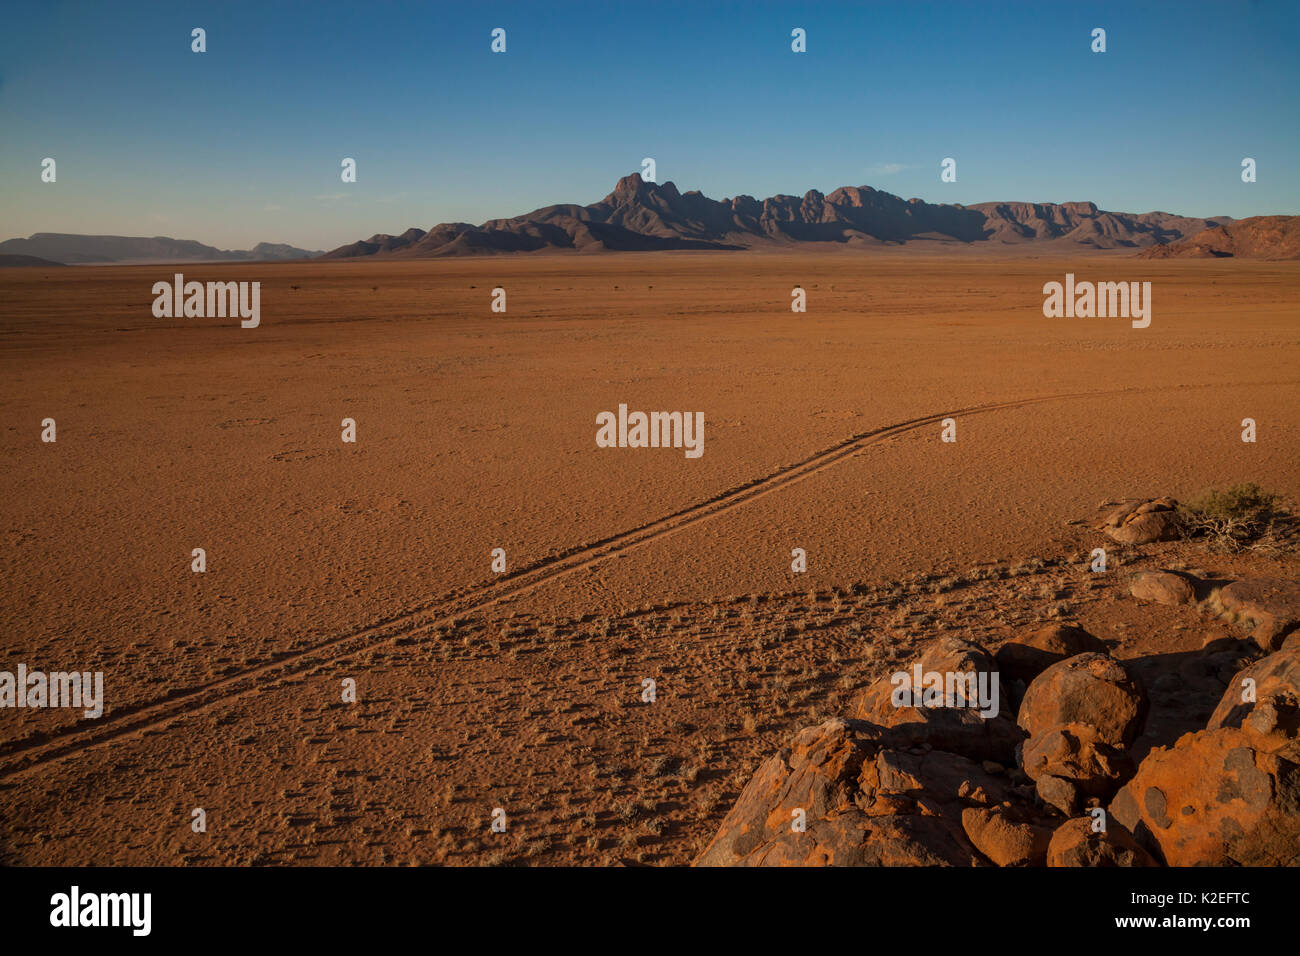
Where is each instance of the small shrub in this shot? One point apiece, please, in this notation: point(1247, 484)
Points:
point(1242, 516)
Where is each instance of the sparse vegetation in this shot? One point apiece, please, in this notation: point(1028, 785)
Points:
point(1243, 516)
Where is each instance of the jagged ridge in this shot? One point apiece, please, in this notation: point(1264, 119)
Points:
point(639, 215)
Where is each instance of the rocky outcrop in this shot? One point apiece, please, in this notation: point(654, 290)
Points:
point(1259, 237)
point(1144, 521)
point(1216, 798)
point(917, 777)
point(845, 793)
point(1005, 840)
point(1264, 696)
point(1078, 842)
point(1077, 755)
point(944, 723)
point(1092, 689)
point(1268, 607)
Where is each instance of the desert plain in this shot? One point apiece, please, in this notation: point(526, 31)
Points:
point(475, 430)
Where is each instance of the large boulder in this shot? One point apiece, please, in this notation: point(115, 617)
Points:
point(1217, 797)
point(1144, 521)
point(1268, 607)
point(1030, 654)
point(854, 839)
point(1005, 840)
point(1077, 843)
point(1263, 697)
point(1060, 793)
point(1163, 587)
point(945, 722)
point(1091, 689)
point(1078, 754)
point(862, 801)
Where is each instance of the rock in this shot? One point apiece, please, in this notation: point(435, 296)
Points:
point(865, 802)
point(1091, 689)
point(1216, 799)
point(1004, 841)
point(1162, 587)
point(1028, 656)
point(1276, 697)
point(1076, 752)
point(957, 729)
point(937, 777)
point(1142, 522)
point(1268, 607)
point(815, 774)
point(858, 840)
point(1060, 793)
point(1076, 844)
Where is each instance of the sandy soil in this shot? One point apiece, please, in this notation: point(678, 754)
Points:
point(477, 431)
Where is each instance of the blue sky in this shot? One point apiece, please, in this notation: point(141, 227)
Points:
point(243, 143)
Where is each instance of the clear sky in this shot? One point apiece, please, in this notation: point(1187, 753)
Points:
point(244, 142)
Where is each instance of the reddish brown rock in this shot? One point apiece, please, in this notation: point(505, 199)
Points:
point(862, 802)
point(1268, 607)
point(1076, 752)
point(946, 726)
point(1091, 689)
point(1162, 587)
point(1076, 843)
point(1030, 654)
point(1060, 793)
point(1142, 522)
point(815, 774)
point(1215, 799)
point(1006, 842)
point(937, 778)
point(859, 840)
point(1264, 697)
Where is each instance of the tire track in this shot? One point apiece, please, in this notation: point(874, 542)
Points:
point(37, 750)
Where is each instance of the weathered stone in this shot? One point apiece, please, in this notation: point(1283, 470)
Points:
point(854, 839)
point(958, 729)
point(815, 774)
point(1006, 842)
point(1091, 689)
point(1142, 522)
point(1162, 587)
point(939, 776)
point(1077, 843)
point(1030, 654)
point(1273, 683)
point(1215, 799)
point(862, 802)
point(1060, 793)
point(1268, 607)
point(1076, 752)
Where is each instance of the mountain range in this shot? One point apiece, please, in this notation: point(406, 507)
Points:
point(640, 215)
point(646, 216)
point(72, 249)
point(1260, 237)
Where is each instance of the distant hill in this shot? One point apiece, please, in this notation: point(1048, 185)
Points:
point(1259, 237)
point(12, 260)
point(75, 249)
point(639, 215)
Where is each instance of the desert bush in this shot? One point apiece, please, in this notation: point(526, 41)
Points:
point(1243, 516)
